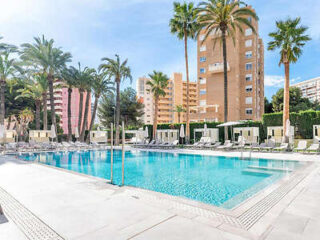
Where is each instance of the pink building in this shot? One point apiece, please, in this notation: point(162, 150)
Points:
point(61, 107)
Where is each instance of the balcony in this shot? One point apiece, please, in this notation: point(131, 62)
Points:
point(218, 67)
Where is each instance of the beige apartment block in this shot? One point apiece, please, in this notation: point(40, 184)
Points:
point(176, 94)
point(245, 77)
point(310, 89)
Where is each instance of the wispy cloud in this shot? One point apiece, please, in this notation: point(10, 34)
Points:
point(277, 80)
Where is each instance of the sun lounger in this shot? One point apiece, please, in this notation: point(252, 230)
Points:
point(283, 147)
point(252, 146)
point(227, 144)
point(302, 146)
point(314, 148)
point(269, 147)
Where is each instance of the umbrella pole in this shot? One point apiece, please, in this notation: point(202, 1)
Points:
point(123, 137)
point(111, 153)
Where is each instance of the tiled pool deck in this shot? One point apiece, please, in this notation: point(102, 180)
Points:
point(42, 202)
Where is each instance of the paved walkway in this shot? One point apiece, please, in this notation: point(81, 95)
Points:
point(71, 206)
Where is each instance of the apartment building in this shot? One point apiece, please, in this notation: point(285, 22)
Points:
point(176, 94)
point(245, 77)
point(61, 106)
point(310, 89)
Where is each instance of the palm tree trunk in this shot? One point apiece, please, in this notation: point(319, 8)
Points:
point(69, 115)
point(179, 116)
point(2, 99)
point(225, 71)
point(85, 117)
point(45, 111)
point(155, 118)
point(95, 106)
point(117, 112)
point(38, 105)
point(187, 76)
point(80, 109)
point(286, 100)
point(53, 111)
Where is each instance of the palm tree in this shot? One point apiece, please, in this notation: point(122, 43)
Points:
point(69, 78)
point(289, 38)
point(51, 60)
point(8, 67)
point(101, 84)
point(184, 24)
point(119, 71)
point(224, 17)
point(34, 91)
point(158, 83)
point(179, 109)
point(41, 79)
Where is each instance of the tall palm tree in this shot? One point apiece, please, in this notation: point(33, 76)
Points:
point(41, 79)
point(69, 78)
point(224, 17)
point(119, 71)
point(290, 37)
point(179, 109)
point(34, 91)
point(8, 67)
point(50, 60)
point(184, 24)
point(158, 83)
point(101, 84)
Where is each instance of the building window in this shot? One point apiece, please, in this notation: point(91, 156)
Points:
point(203, 80)
point(202, 70)
point(203, 48)
point(249, 111)
point(248, 100)
point(248, 66)
point(249, 88)
point(203, 102)
point(248, 54)
point(249, 19)
point(201, 37)
point(248, 32)
point(248, 43)
point(203, 59)
point(203, 91)
point(249, 77)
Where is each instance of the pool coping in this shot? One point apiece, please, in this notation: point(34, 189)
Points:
point(237, 219)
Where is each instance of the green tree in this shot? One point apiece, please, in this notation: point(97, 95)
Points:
point(222, 17)
point(184, 24)
point(131, 109)
point(158, 83)
point(297, 102)
point(51, 60)
point(289, 38)
point(268, 108)
point(101, 84)
point(8, 68)
point(119, 71)
point(179, 109)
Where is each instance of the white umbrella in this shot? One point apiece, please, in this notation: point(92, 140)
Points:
point(2, 132)
point(98, 129)
point(76, 133)
point(182, 131)
point(205, 131)
point(53, 132)
point(287, 128)
point(146, 132)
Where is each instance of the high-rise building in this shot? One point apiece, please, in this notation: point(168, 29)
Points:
point(310, 89)
point(245, 76)
point(61, 106)
point(176, 94)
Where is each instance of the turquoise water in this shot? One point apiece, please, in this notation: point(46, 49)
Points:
point(219, 181)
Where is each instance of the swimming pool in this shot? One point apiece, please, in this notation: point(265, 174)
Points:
point(216, 180)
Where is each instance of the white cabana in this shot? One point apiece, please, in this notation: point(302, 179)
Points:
point(276, 133)
point(98, 136)
point(167, 135)
point(249, 134)
point(213, 133)
point(138, 135)
point(39, 136)
point(316, 133)
point(10, 136)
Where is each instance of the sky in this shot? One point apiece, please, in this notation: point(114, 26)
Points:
point(138, 30)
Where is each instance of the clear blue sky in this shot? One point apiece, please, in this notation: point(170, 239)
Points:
point(138, 30)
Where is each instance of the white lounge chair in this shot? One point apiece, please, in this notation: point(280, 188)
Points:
point(314, 148)
point(302, 146)
point(283, 147)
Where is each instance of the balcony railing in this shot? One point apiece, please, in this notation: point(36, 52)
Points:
point(218, 67)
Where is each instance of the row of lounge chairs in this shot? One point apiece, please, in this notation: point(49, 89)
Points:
point(157, 145)
point(48, 146)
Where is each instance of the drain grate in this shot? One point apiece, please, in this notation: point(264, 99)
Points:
point(30, 225)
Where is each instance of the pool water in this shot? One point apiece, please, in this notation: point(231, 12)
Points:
point(216, 180)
